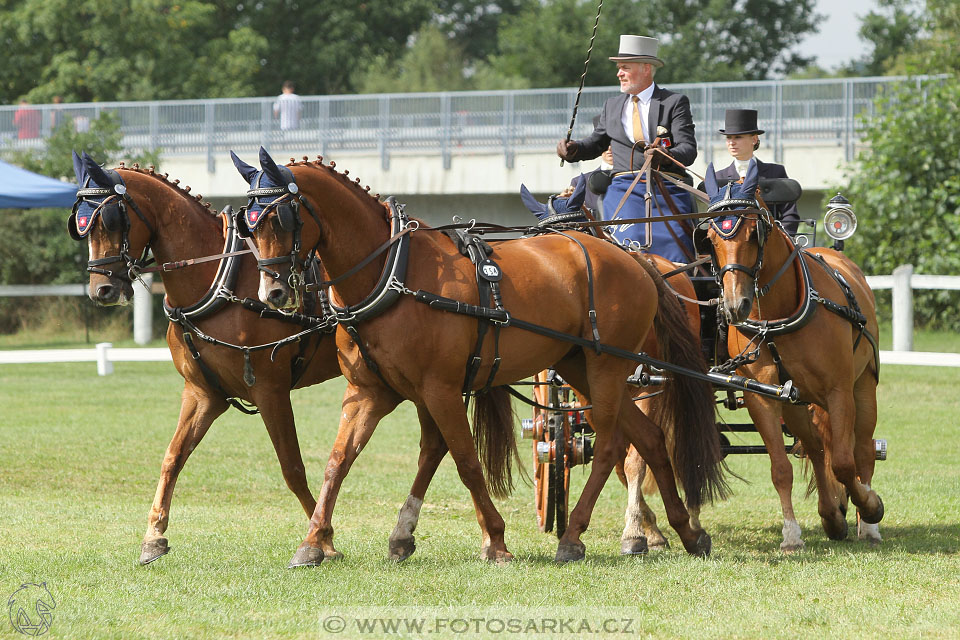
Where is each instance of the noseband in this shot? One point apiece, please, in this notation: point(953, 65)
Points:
point(110, 204)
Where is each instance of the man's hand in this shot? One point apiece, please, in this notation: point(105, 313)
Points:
point(567, 149)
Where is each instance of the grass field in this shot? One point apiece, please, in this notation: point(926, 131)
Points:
point(80, 456)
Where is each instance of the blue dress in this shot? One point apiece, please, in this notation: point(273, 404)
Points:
point(663, 243)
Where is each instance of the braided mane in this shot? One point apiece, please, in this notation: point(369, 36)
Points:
point(342, 176)
point(164, 177)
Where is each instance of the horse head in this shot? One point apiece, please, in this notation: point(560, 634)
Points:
point(274, 195)
point(100, 217)
point(557, 209)
point(737, 230)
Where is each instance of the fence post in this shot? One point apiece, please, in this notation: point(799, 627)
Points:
point(902, 308)
point(143, 311)
point(104, 366)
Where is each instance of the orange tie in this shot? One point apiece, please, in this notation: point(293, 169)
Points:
point(639, 131)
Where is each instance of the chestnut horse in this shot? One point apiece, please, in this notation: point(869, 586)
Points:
point(159, 215)
point(393, 346)
point(807, 315)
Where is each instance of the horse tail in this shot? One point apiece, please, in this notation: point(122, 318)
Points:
point(687, 412)
point(495, 439)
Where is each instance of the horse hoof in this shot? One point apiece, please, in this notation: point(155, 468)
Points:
point(496, 557)
point(658, 543)
point(702, 547)
point(791, 547)
point(400, 550)
point(153, 549)
point(877, 515)
point(634, 546)
point(835, 528)
point(307, 556)
point(571, 552)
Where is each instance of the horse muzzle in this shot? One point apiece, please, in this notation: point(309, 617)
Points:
point(737, 309)
point(109, 292)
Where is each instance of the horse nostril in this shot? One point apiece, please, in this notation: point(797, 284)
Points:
point(106, 292)
point(743, 309)
point(276, 297)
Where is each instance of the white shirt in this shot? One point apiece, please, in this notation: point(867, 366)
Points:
point(287, 106)
point(626, 118)
point(741, 166)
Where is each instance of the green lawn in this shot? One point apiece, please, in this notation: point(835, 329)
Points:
point(80, 460)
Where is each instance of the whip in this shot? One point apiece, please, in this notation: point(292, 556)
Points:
point(583, 76)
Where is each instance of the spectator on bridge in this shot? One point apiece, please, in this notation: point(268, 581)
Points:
point(743, 138)
point(628, 124)
point(27, 121)
point(287, 107)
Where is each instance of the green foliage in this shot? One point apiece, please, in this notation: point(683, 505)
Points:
point(906, 191)
point(700, 42)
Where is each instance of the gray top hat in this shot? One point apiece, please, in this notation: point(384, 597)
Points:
point(638, 49)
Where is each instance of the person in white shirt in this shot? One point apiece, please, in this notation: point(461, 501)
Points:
point(287, 107)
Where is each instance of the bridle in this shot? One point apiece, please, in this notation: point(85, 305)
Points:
point(285, 200)
point(110, 204)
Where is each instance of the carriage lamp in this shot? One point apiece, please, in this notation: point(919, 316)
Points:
point(839, 222)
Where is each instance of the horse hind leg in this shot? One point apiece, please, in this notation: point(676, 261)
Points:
point(817, 447)
point(843, 422)
point(433, 448)
point(640, 532)
point(198, 409)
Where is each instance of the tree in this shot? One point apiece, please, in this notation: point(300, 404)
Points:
point(892, 30)
point(705, 41)
point(906, 191)
point(88, 50)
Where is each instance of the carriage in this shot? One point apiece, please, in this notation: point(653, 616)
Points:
point(559, 429)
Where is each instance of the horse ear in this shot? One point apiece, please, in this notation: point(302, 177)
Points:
point(270, 168)
point(710, 181)
point(95, 171)
point(750, 180)
point(531, 202)
point(575, 201)
point(245, 170)
point(78, 168)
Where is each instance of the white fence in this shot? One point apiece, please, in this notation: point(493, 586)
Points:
point(903, 281)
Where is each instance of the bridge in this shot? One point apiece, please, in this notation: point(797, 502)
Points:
point(467, 153)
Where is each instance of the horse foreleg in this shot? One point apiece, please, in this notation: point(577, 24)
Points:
point(432, 450)
point(640, 531)
point(362, 410)
point(766, 418)
point(277, 415)
point(446, 407)
point(198, 410)
point(840, 405)
point(865, 397)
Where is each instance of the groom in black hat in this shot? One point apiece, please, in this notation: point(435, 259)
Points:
point(743, 138)
point(629, 123)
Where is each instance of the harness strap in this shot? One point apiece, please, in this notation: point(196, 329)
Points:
point(212, 379)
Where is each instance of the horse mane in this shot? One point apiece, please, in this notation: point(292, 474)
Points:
point(341, 176)
point(175, 184)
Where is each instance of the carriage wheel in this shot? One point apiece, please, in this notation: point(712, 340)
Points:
point(544, 499)
point(561, 469)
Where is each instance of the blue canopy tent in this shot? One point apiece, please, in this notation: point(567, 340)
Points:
point(22, 189)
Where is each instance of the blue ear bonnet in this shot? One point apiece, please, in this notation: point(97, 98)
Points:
point(731, 197)
point(258, 204)
point(557, 209)
point(100, 192)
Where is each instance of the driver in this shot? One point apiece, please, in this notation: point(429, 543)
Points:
point(628, 124)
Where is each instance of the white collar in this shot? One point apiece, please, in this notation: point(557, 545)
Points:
point(647, 94)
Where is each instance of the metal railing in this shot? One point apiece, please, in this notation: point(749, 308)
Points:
point(451, 123)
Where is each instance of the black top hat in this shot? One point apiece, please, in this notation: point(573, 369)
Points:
point(740, 121)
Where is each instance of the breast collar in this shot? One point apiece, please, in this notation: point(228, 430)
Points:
point(390, 285)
